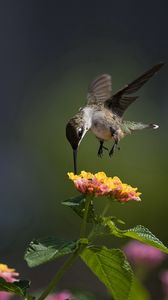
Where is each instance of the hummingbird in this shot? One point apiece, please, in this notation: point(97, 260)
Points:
point(103, 113)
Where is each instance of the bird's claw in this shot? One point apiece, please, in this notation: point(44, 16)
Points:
point(100, 151)
point(111, 152)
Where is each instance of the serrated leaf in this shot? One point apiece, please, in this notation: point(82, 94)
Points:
point(112, 268)
point(139, 233)
point(143, 235)
point(18, 287)
point(77, 204)
point(138, 291)
point(43, 250)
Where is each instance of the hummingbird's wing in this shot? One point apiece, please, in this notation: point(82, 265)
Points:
point(120, 101)
point(100, 89)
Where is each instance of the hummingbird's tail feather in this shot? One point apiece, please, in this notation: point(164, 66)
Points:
point(154, 126)
point(129, 126)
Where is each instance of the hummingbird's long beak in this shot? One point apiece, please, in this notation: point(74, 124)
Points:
point(75, 151)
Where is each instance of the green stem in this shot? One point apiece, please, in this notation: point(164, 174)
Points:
point(106, 208)
point(68, 263)
point(84, 221)
point(59, 275)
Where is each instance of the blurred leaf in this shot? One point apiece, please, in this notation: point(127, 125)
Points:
point(143, 235)
point(112, 268)
point(84, 295)
point(138, 291)
point(78, 206)
point(18, 287)
point(24, 285)
point(43, 250)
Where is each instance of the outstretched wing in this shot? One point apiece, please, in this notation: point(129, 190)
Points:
point(121, 100)
point(100, 89)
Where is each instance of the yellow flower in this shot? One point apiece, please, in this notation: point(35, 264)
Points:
point(86, 175)
point(4, 268)
point(100, 176)
point(100, 185)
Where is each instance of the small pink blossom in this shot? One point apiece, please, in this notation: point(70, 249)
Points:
point(9, 275)
point(5, 296)
point(64, 295)
point(144, 255)
point(164, 281)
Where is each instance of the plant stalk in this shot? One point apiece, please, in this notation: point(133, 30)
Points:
point(106, 208)
point(59, 275)
point(84, 221)
point(68, 263)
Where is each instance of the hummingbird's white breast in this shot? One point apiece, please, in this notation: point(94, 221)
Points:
point(102, 122)
point(100, 125)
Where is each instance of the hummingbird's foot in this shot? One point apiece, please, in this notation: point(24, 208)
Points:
point(100, 151)
point(113, 149)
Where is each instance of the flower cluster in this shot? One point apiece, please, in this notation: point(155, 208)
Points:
point(143, 255)
point(8, 275)
point(100, 185)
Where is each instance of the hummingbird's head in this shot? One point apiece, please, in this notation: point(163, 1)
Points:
point(75, 132)
point(76, 128)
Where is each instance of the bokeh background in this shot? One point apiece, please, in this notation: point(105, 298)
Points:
point(49, 53)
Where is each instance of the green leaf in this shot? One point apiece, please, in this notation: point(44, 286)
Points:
point(107, 226)
point(75, 201)
point(24, 285)
point(84, 295)
point(143, 235)
point(138, 291)
point(43, 250)
point(78, 206)
point(139, 233)
point(112, 268)
point(18, 287)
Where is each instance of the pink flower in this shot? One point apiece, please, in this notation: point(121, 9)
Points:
point(64, 295)
point(5, 296)
point(8, 275)
point(143, 255)
point(164, 281)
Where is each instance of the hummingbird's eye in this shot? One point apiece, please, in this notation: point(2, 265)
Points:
point(80, 132)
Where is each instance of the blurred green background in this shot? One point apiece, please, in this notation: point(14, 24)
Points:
point(49, 54)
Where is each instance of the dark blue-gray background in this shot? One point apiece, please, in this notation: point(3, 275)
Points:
point(49, 52)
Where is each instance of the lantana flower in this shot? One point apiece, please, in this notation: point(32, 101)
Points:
point(164, 281)
point(143, 255)
point(101, 185)
point(9, 275)
point(64, 295)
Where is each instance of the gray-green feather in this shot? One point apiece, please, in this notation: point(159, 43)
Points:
point(128, 126)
